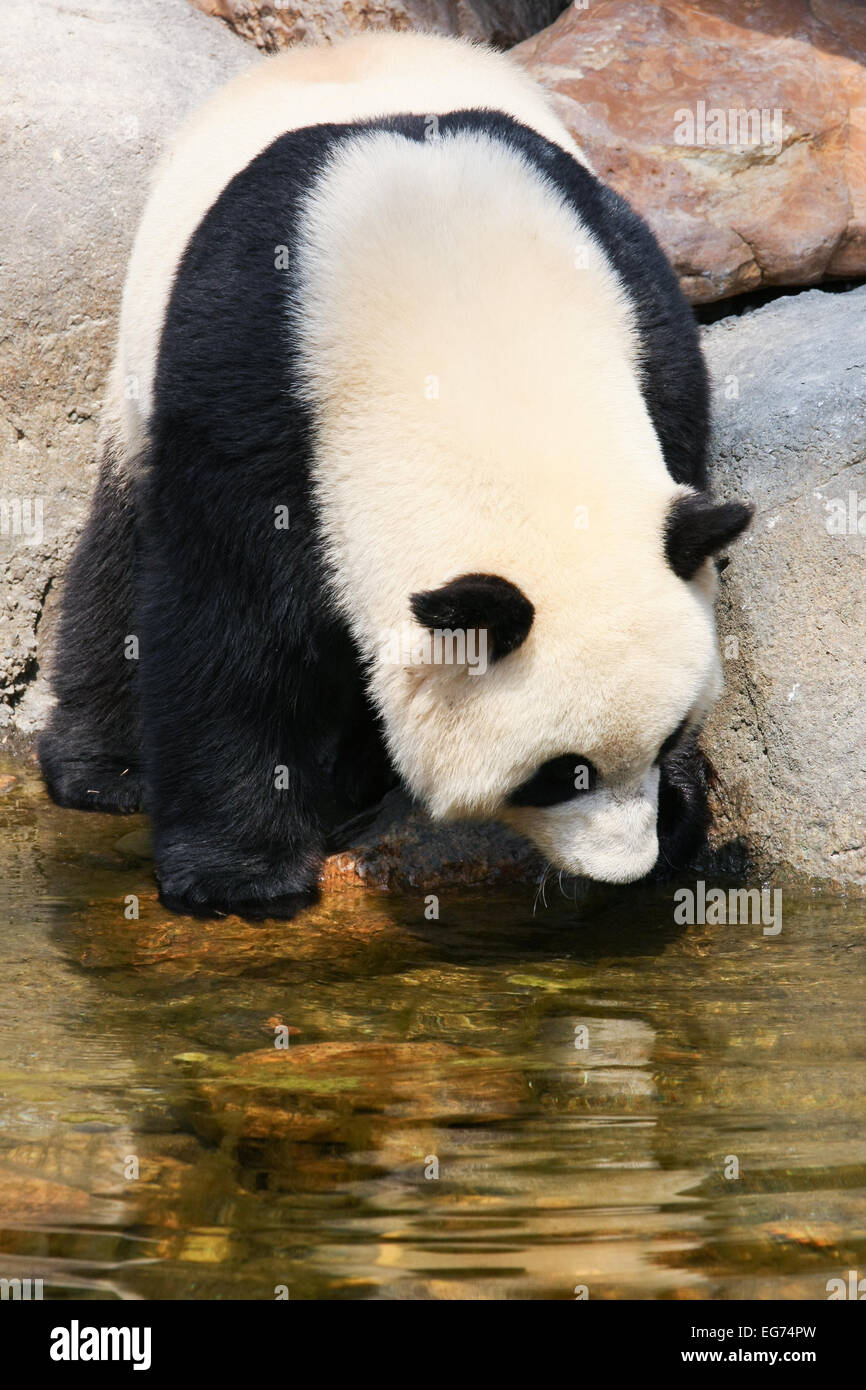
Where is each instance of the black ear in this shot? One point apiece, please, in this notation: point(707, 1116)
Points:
point(697, 527)
point(476, 601)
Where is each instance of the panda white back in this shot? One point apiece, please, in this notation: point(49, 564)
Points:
point(368, 76)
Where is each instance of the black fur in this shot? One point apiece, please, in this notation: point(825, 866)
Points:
point(258, 738)
point(474, 602)
point(684, 817)
point(697, 528)
point(245, 669)
point(556, 781)
point(90, 749)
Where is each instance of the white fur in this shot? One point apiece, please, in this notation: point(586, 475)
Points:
point(372, 75)
point(609, 834)
point(452, 266)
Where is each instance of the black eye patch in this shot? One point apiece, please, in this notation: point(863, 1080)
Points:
point(671, 741)
point(560, 779)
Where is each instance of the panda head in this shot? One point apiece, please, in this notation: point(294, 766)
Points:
point(570, 699)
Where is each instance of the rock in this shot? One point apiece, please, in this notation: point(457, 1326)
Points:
point(404, 850)
point(629, 79)
point(33, 1198)
point(90, 94)
point(314, 1091)
point(274, 24)
point(789, 737)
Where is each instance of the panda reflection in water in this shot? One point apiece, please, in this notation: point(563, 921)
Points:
point(377, 290)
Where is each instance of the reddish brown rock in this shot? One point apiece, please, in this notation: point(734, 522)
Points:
point(638, 86)
point(403, 850)
point(314, 1091)
point(274, 24)
point(27, 1197)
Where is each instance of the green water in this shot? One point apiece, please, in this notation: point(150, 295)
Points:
point(154, 1143)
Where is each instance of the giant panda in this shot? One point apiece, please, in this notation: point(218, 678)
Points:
point(392, 360)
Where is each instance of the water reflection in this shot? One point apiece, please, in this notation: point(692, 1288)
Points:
point(491, 1105)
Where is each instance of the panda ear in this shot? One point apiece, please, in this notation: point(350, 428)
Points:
point(474, 602)
point(697, 528)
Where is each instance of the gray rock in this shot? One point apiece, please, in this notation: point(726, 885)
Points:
point(789, 737)
point(276, 24)
point(90, 94)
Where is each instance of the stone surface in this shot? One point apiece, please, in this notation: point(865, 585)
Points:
point(402, 849)
point(789, 736)
point(274, 24)
point(731, 218)
point(90, 94)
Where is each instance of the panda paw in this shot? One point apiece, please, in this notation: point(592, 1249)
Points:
point(283, 907)
point(256, 897)
point(113, 787)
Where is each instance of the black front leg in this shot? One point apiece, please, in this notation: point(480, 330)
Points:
point(243, 695)
point(235, 822)
point(89, 751)
point(231, 775)
point(236, 826)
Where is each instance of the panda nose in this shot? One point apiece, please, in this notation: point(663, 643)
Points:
point(618, 858)
point(618, 843)
point(623, 865)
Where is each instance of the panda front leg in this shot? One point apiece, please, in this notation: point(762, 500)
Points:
point(235, 736)
point(210, 867)
point(89, 750)
point(235, 823)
